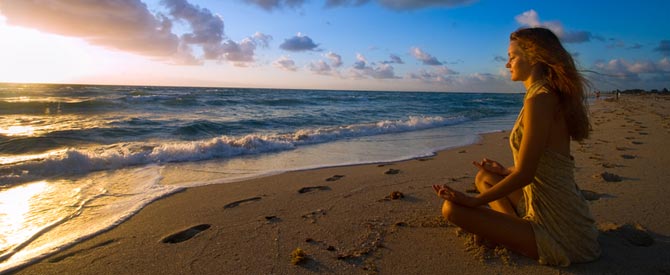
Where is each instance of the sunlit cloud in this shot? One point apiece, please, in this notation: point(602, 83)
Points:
point(271, 5)
point(440, 74)
point(261, 39)
point(633, 71)
point(130, 26)
point(285, 63)
point(362, 69)
point(531, 19)
point(424, 57)
point(298, 43)
point(121, 25)
point(319, 67)
point(420, 4)
point(335, 59)
point(394, 59)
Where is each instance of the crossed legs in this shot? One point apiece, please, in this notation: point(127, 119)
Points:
point(499, 223)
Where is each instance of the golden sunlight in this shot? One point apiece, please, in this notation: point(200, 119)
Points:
point(18, 131)
point(15, 207)
point(29, 56)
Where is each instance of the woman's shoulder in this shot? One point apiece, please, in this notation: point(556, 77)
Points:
point(542, 97)
point(538, 88)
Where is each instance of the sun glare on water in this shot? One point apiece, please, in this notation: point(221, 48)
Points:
point(15, 209)
point(17, 131)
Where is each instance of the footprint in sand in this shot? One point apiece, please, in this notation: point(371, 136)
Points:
point(335, 177)
point(609, 177)
point(237, 203)
point(392, 171)
point(590, 195)
point(312, 188)
point(314, 215)
point(628, 156)
point(610, 165)
point(637, 142)
point(186, 234)
point(395, 195)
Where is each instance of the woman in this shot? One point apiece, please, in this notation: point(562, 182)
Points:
point(536, 207)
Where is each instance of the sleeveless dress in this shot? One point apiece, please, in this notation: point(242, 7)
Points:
point(564, 228)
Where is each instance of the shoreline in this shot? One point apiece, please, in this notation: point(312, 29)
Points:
point(347, 220)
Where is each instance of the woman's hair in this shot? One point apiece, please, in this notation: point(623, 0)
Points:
point(542, 45)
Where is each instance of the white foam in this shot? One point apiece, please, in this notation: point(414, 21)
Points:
point(84, 160)
point(101, 202)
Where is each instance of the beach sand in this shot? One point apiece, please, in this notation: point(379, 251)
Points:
point(385, 218)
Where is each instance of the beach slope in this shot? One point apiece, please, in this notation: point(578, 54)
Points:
point(385, 219)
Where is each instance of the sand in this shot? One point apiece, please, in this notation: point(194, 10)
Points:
point(385, 219)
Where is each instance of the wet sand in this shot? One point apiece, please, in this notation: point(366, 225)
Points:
point(385, 219)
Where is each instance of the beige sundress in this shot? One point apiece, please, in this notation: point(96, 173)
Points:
point(564, 228)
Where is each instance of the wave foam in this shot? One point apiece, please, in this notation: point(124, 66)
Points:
point(81, 161)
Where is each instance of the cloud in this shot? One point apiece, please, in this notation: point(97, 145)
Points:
point(360, 63)
point(238, 53)
point(335, 59)
point(130, 26)
point(633, 71)
point(320, 67)
point(394, 60)
point(336, 3)
point(262, 39)
point(361, 69)
point(419, 4)
point(424, 57)
point(298, 43)
point(663, 47)
point(398, 5)
point(122, 25)
point(207, 31)
point(206, 28)
point(499, 58)
point(440, 74)
point(285, 63)
point(270, 5)
point(532, 19)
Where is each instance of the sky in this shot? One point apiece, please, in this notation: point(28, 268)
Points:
point(398, 45)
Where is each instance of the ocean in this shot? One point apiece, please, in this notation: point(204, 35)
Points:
point(76, 160)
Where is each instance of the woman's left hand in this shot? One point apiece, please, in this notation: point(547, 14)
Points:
point(457, 197)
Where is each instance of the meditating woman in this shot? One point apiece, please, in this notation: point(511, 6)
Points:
point(536, 207)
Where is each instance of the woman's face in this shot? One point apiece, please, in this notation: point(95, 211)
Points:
point(518, 64)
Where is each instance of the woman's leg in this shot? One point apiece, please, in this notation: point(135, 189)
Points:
point(508, 230)
point(485, 180)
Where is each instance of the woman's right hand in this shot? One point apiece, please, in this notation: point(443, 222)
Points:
point(492, 166)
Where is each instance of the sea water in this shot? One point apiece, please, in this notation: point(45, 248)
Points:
point(76, 160)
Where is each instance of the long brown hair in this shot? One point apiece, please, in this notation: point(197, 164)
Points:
point(543, 46)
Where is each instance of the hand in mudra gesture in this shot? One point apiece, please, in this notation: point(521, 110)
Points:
point(492, 166)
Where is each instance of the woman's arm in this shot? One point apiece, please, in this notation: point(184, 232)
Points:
point(494, 167)
point(537, 119)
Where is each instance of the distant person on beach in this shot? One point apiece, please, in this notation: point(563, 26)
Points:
point(536, 208)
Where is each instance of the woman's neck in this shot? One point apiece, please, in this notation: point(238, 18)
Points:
point(536, 74)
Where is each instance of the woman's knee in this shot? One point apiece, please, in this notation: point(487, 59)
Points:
point(482, 181)
point(450, 210)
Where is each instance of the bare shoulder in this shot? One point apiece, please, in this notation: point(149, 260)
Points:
point(543, 105)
